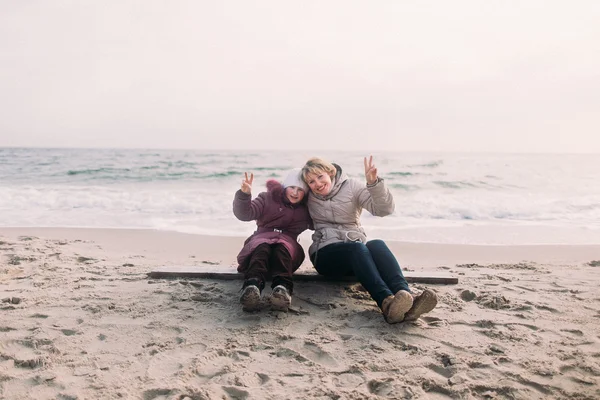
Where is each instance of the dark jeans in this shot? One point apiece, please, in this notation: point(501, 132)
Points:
point(373, 264)
point(271, 260)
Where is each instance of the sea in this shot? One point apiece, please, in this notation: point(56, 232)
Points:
point(470, 198)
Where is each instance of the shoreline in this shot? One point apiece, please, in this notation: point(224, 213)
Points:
point(176, 247)
point(470, 235)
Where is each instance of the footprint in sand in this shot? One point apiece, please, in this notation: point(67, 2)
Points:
point(528, 326)
point(581, 372)
point(384, 388)
point(575, 332)
point(493, 301)
point(156, 394)
point(167, 363)
point(38, 315)
point(236, 393)
point(442, 370)
point(213, 364)
point(434, 321)
point(316, 354)
point(27, 353)
point(226, 369)
point(544, 307)
point(284, 352)
point(349, 380)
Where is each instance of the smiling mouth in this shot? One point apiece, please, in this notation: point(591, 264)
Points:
point(293, 197)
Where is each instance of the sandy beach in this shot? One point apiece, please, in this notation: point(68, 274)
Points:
point(80, 319)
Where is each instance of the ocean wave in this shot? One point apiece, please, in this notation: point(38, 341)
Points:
point(455, 184)
point(401, 173)
point(271, 168)
point(432, 164)
point(226, 174)
point(179, 164)
point(404, 186)
point(98, 171)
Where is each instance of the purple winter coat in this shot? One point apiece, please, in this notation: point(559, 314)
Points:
point(277, 221)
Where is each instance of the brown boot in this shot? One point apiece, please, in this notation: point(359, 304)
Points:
point(394, 307)
point(280, 299)
point(250, 298)
point(422, 304)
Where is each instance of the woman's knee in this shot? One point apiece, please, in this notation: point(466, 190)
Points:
point(359, 249)
point(376, 244)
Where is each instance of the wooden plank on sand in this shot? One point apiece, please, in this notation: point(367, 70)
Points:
point(230, 273)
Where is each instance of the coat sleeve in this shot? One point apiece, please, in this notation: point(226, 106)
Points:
point(246, 209)
point(375, 198)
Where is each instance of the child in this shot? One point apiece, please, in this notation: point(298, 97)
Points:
point(273, 249)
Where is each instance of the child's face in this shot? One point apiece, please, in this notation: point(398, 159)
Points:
point(319, 183)
point(294, 194)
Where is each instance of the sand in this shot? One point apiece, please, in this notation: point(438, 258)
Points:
point(79, 319)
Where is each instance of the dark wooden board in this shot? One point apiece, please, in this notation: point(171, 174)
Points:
point(230, 273)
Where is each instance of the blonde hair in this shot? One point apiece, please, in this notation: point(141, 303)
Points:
point(316, 166)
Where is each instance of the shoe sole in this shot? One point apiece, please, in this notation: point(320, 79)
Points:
point(402, 302)
point(280, 302)
point(422, 304)
point(250, 299)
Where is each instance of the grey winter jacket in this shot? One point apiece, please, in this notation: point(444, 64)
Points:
point(336, 216)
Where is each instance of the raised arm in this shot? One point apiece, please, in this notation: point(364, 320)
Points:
point(375, 197)
point(244, 208)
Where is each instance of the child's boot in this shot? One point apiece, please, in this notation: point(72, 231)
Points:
point(250, 298)
point(280, 298)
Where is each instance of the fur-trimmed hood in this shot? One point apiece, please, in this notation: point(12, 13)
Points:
point(275, 189)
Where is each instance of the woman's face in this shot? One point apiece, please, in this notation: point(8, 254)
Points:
point(294, 194)
point(319, 183)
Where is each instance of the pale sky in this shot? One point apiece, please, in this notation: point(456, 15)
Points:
point(447, 75)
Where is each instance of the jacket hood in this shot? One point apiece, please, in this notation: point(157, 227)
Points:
point(275, 189)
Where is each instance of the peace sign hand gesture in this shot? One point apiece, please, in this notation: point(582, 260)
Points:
point(370, 171)
point(247, 183)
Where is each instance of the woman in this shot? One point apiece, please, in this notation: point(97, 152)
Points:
point(340, 245)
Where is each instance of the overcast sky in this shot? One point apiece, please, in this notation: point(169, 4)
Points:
point(447, 75)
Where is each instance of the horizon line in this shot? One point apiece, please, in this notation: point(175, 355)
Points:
point(297, 150)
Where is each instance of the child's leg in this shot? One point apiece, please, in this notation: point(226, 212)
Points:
point(281, 270)
point(281, 267)
point(258, 266)
point(254, 278)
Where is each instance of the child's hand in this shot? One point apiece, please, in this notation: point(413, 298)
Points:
point(370, 171)
point(247, 183)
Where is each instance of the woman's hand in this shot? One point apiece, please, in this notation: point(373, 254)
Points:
point(370, 171)
point(247, 183)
